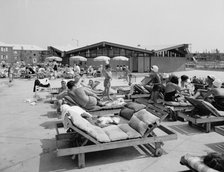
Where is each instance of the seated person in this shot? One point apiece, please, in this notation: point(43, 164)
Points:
point(93, 85)
point(172, 88)
point(83, 97)
point(209, 84)
point(149, 83)
point(90, 70)
point(217, 95)
point(63, 87)
point(185, 84)
point(63, 91)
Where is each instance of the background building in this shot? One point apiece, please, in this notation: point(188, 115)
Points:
point(30, 54)
point(6, 52)
point(169, 59)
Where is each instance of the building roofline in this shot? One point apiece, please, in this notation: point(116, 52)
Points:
point(110, 44)
point(172, 47)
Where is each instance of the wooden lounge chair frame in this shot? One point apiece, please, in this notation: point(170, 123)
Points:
point(149, 141)
point(160, 109)
point(203, 120)
point(100, 112)
point(220, 129)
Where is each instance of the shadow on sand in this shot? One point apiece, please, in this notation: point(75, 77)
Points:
point(51, 114)
point(218, 147)
point(186, 129)
point(50, 162)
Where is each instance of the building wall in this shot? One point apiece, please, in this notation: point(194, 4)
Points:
point(6, 54)
point(29, 56)
point(169, 64)
point(90, 61)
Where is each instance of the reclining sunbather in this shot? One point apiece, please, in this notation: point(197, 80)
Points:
point(172, 88)
point(83, 97)
point(217, 95)
point(209, 84)
point(92, 86)
point(145, 87)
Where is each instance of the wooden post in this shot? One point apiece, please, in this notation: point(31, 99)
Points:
point(208, 127)
point(81, 160)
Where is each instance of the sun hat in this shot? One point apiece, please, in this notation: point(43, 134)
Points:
point(217, 83)
point(211, 77)
point(155, 68)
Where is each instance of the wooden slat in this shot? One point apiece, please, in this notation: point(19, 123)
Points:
point(200, 120)
point(220, 130)
point(113, 145)
point(136, 96)
point(65, 136)
point(103, 112)
point(82, 133)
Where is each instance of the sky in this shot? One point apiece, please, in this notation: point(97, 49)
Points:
point(129, 22)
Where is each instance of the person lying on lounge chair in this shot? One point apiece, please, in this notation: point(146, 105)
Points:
point(172, 88)
point(216, 95)
point(147, 84)
point(209, 84)
point(83, 97)
point(185, 84)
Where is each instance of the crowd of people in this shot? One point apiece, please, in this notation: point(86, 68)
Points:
point(173, 88)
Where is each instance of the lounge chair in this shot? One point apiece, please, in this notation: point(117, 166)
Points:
point(163, 107)
point(97, 110)
point(203, 113)
point(41, 84)
point(86, 141)
point(220, 129)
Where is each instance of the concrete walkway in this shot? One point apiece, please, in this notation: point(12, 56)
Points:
point(27, 141)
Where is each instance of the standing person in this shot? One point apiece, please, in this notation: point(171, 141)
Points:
point(55, 68)
point(76, 69)
point(156, 81)
point(107, 81)
point(127, 75)
point(10, 73)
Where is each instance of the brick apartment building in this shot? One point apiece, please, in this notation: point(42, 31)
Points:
point(30, 54)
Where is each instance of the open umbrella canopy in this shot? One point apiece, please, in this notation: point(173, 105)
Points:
point(121, 58)
point(56, 58)
point(78, 58)
point(102, 58)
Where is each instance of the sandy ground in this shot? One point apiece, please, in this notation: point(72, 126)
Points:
point(27, 138)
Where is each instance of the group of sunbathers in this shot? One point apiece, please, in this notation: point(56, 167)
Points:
point(168, 88)
point(86, 96)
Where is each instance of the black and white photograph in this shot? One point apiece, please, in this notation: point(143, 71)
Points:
point(112, 85)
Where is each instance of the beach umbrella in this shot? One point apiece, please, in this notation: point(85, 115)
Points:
point(120, 58)
point(101, 58)
point(78, 58)
point(56, 58)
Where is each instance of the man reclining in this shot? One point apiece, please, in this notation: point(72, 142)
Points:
point(216, 95)
point(83, 97)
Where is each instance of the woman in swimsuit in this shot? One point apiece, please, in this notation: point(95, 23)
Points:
point(172, 89)
point(107, 81)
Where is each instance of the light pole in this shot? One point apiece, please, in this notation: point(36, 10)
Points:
point(77, 41)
